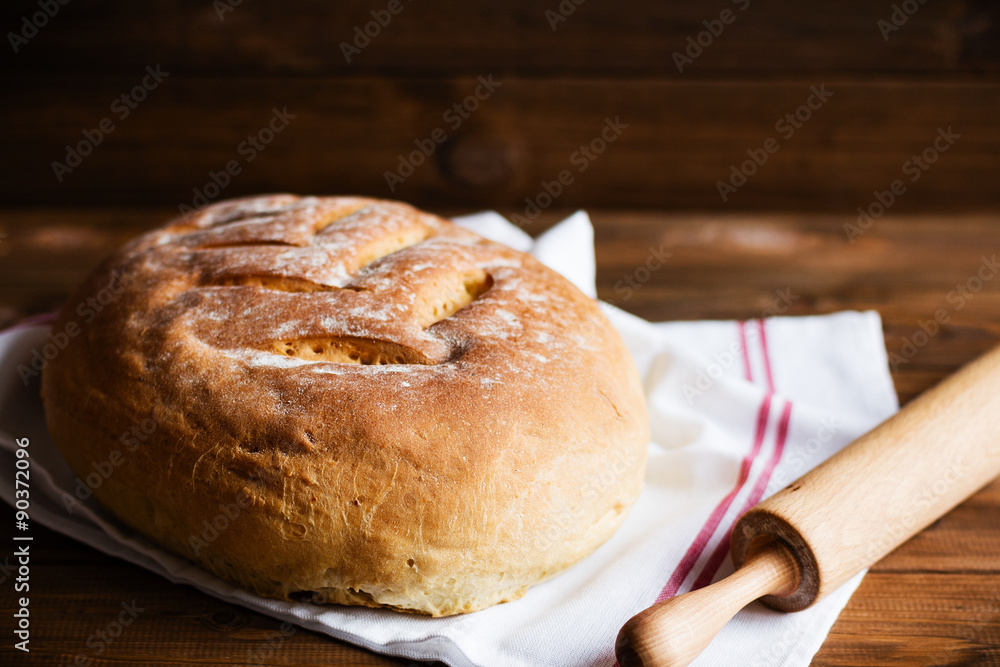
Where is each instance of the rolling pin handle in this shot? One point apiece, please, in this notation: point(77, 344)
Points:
point(673, 632)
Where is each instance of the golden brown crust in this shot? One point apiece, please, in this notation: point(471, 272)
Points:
point(353, 398)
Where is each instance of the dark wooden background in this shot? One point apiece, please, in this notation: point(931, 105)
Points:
point(935, 601)
point(353, 120)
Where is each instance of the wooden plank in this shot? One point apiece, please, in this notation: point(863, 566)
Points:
point(935, 600)
point(452, 37)
point(917, 619)
point(682, 139)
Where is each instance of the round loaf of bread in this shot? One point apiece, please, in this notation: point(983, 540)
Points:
point(351, 401)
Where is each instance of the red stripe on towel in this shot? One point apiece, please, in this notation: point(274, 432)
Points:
point(746, 357)
point(767, 356)
point(694, 552)
point(722, 548)
point(697, 547)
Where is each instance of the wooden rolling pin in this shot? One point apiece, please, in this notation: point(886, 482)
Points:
point(801, 544)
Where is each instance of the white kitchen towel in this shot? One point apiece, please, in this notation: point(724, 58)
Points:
point(737, 410)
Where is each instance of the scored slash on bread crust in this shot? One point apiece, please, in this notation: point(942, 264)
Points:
point(383, 408)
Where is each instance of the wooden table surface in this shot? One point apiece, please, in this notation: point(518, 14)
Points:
point(934, 601)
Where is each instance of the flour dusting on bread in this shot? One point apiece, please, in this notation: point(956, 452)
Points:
point(403, 413)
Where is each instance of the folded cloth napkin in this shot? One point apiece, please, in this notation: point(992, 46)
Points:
point(737, 410)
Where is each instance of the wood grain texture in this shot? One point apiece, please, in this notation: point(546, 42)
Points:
point(675, 143)
point(933, 601)
point(454, 37)
point(353, 120)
